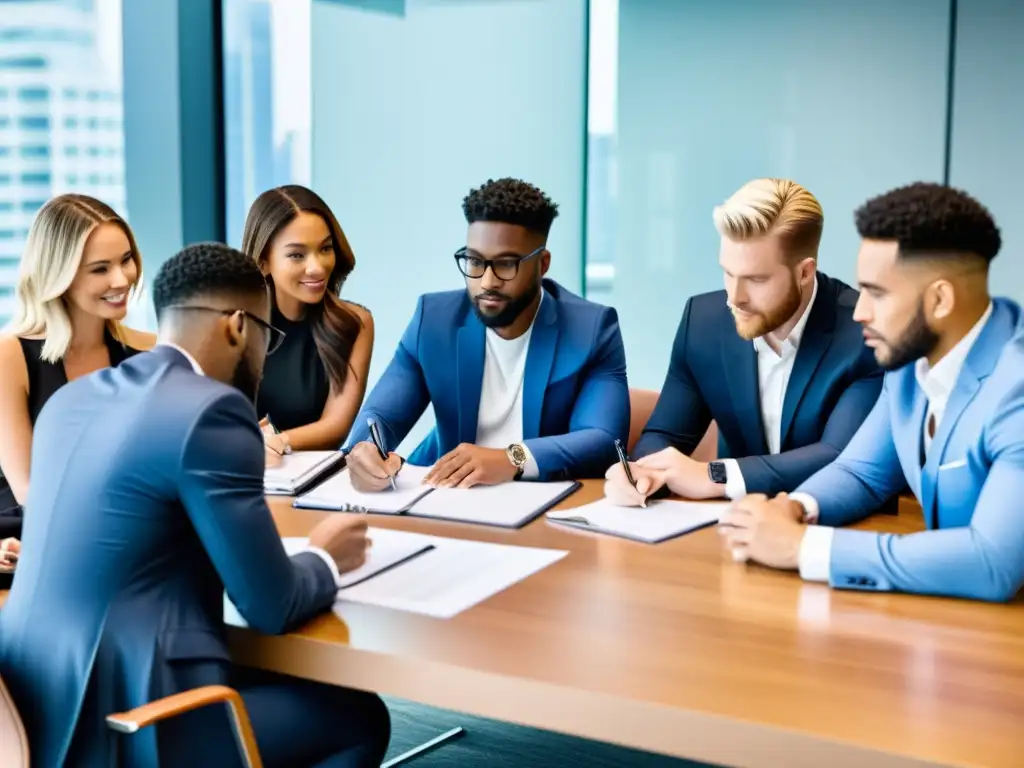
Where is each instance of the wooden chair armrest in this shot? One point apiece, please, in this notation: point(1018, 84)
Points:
point(171, 706)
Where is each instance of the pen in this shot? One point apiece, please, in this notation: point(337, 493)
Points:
point(276, 431)
point(377, 441)
point(624, 460)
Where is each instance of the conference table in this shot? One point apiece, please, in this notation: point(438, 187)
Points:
point(676, 649)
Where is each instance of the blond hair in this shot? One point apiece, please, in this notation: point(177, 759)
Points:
point(773, 206)
point(53, 254)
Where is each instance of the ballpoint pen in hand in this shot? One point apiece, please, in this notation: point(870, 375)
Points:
point(624, 460)
point(377, 441)
point(274, 430)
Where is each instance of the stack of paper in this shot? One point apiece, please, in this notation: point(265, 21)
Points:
point(430, 575)
point(298, 471)
point(510, 505)
point(660, 520)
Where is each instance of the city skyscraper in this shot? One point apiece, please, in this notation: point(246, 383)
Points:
point(61, 120)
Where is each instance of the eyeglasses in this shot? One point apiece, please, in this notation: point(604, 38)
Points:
point(505, 268)
point(274, 335)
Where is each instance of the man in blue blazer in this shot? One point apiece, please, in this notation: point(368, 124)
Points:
point(526, 380)
point(776, 360)
point(145, 503)
point(949, 421)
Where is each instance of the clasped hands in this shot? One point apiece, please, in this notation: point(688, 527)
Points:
point(465, 466)
point(754, 529)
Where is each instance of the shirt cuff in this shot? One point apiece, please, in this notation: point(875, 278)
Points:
point(735, 485)
point(530, 470)
point(816, 553)
point(322, 554)
point(810, 505)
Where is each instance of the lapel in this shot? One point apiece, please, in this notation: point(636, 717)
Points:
point(469, 373)
point(980, 361)
point(540, 357)
point(814, 344)
point(739, 360)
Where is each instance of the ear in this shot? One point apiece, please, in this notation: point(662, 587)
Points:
point(235, 329)
point(806, 270)
point(545, 262)
point(942, 298)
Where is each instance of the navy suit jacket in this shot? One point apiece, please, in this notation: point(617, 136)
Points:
point(575, 396)
point(713, 375)
point(145, 503)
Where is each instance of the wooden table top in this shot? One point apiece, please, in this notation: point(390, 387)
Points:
point(676, 649)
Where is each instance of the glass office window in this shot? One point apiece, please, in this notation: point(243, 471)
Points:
point(417, 102)
point(688, 101)
point(987, 154)
point(48, 51)
point(267, 93)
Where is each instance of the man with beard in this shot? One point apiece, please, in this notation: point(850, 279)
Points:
point(776, 360)
point(146, 503)
point(949, 421)
point(526, 380)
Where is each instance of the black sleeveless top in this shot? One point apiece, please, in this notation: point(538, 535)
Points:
point(295, 385)
point(43, 380)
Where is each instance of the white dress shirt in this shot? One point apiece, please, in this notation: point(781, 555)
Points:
point(499, 421)
point(937, 383)
point(315, 550)
point(773, 372)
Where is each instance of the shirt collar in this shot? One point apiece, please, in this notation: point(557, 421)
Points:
point(192, 361)
point(791, 342)
point(938, 381)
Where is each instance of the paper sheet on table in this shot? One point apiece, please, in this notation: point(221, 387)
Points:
point(390, 549)
point(296, 470)
point(336, 493)
point(661, 520)
point(509, 505)
point(457, 574)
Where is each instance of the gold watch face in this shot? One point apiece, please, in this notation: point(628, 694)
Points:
point(518, 454)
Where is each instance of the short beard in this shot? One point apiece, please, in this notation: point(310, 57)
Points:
point(917, 341)
point(513, 309)
point(764, 323)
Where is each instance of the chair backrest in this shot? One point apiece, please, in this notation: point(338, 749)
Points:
point(641, 406)
point(13, 741)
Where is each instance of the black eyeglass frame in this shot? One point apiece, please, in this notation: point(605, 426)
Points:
point(274, 334)
point(463, 254)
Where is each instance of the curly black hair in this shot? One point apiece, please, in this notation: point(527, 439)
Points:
point(205, 269)
point(511, 201)
point(930, 220)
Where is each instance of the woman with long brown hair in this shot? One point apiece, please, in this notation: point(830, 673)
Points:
point(313, 385)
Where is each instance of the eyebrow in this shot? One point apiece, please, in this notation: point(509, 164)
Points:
point(100, 262)
point(870, 286)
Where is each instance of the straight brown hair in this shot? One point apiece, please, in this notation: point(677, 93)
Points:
point(335, 327)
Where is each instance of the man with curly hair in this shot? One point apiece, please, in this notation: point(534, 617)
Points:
point(527, 381)
point(949, 421)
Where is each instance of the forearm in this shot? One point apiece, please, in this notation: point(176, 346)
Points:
point(576, 455)
point(322, 435)
point(784, 472)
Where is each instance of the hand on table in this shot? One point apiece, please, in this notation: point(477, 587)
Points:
point(343, 538)
point(618, 490)
point(275, 443)
point(369, 472)
point(468, 465)
point(684, 476)
point(765, 531)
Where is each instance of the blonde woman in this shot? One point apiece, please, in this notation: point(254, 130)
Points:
point(79, 268)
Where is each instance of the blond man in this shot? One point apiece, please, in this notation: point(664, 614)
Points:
point(776, 360)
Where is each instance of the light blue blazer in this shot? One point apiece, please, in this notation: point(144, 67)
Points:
point(971, 487)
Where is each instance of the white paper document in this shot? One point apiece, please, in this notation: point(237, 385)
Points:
point(455, 575)
point(509, 505)
point(297, 470)
point(661, 520)
point(430, 575)
point(337, 494)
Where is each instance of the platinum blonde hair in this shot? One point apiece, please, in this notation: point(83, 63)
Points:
point(52, 256)
point(773, 206)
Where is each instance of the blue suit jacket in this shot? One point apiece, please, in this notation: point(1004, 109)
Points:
point(575, 397)
point(970, 487)
point(145, 502)
point(713, 375)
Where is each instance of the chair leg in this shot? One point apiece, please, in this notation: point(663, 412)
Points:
point(422, 749)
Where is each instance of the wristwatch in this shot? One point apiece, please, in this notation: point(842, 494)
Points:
point(517, 455)
point(717, 473)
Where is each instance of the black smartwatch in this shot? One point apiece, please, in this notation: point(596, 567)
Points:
point(717, 473)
